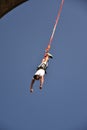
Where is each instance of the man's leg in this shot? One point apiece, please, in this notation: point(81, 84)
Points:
point(31, 86)
point(41, 81)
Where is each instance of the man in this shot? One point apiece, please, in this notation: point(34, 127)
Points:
point(41, 71)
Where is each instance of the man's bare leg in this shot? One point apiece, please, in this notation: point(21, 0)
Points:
point(41, 81)
point(31, 86)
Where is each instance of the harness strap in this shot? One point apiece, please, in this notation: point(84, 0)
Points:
point(42, 66)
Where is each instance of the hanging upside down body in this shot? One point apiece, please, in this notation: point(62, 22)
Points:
point(41, 70)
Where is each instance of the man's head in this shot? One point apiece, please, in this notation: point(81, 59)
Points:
point(36, 77)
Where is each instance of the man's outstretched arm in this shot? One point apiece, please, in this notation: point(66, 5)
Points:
point(41, 81)
point(31, 86)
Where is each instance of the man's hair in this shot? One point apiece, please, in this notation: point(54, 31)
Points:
point(37, 77)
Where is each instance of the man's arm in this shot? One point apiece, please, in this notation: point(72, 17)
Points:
point(31, 86)
point(41, 81)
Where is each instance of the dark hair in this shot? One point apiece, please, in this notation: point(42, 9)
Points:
point(36, 77)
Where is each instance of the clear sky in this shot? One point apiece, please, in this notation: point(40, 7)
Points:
point(24, 34)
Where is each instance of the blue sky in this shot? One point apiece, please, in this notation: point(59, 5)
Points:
point(24, 34)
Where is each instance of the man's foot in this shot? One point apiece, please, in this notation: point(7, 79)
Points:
point(31, 90)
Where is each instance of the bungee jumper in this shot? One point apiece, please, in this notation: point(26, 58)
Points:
point(41, 69)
